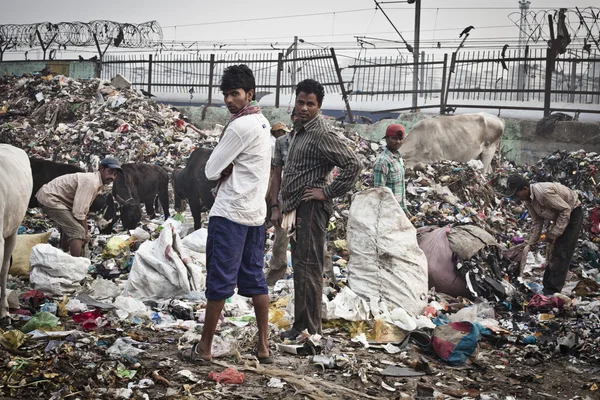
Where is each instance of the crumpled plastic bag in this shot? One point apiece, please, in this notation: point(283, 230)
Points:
point(230, 376)
point(41, 321)
point(131, 305)
point(347, 305)
point(196, 241)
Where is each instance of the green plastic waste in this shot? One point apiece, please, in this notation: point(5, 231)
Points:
point(42, 321)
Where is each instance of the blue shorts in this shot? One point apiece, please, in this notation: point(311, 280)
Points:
point(234, 257)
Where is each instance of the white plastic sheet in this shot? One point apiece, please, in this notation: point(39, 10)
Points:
point(347, 305)
point(196, 240)
point(163, 269)
point(55, 272)
point(386, 263)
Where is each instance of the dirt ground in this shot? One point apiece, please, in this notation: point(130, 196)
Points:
point(81, 369)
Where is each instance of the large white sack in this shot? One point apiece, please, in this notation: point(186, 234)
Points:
point(163, 269)
point(386, 264)
point(55, 272)
point(196, 241)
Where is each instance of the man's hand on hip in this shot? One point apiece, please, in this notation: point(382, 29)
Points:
point(313, 194)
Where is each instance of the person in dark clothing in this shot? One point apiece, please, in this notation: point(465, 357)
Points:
point(550, 201)
point(307, 200)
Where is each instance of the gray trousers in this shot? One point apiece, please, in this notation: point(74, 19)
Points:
point(308, 255)
point(278, 264)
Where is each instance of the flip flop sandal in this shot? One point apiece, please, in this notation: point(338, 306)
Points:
point(263, 360)
point(194, 357)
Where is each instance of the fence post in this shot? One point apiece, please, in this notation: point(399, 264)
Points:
point(211, 74)
point(452, 65)
point(344, 94)
point(573, 81)
point(422, 74)
point(150, 73)
point(443, 93)
point(278, 84)
point(548, 83)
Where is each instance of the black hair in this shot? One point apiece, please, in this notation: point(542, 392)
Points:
point(309, 86)
point(516, 182)
point(236, 77)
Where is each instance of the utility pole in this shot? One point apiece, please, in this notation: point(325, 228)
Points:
point(416, 54)
point(524, 6)
point(294, 67)
point(522, 73)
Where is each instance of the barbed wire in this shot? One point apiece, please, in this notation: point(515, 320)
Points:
point(65, 34)
point(582, 25)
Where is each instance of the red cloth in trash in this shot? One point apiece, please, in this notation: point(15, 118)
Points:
point(544, 303)
point(230, 376)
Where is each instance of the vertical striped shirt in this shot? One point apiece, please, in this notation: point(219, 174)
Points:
point(550, 201)
point(314, 152)
point(388, 171)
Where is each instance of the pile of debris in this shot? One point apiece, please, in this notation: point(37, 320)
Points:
point(76, 121)
point(113, 326)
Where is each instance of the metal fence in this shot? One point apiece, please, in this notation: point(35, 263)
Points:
point(507, 79)
point(506, 76)
point(201, 73)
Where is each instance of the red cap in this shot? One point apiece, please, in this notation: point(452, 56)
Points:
point(395, 130)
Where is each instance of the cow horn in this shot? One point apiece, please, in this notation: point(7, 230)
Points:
point(122, 201)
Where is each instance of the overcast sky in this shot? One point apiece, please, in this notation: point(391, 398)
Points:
point(334, 22)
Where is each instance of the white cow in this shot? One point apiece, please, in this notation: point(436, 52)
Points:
point(458, 138)
point(16, 184)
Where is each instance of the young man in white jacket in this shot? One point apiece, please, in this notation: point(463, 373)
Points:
point(235, 247)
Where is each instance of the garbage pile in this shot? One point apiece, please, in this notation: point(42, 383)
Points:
point(113, 326)
point(78, 121)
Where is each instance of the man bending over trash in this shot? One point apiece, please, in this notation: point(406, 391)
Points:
point(235, 246)
point(553, 202)
point(66, 200)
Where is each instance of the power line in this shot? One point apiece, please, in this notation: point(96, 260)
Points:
point(268, 18)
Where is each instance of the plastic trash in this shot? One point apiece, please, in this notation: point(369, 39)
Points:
point(56, 272)
point(347, 305)
point(114, 246)
point(230, 376)
point(41, 321)
point(163, 269)
point(402, 320)
point(141, 234)
point(104, 289)
point(90, 320)
point(131, 305)
point(76, 306)
point(123, 347)
point(49, 307)
point(196, 241)
point(12, 340)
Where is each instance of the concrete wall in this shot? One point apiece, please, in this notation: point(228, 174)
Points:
point(74, 69)
point(519, 143)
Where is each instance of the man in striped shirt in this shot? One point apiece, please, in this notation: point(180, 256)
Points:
point(388, 170)
point(550, 201)
point(307, 200)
